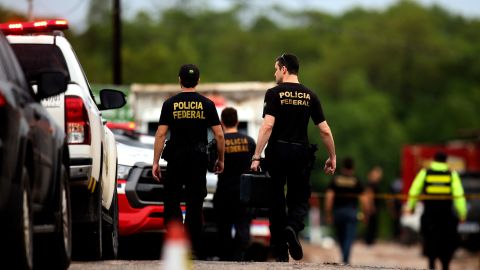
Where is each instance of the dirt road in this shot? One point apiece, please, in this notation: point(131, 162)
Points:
point(387, 254)
point(384, 255)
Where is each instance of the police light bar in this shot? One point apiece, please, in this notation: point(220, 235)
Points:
point(33, 27)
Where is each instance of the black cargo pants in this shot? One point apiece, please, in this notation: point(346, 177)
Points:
point(188, 169)
point(288, 164)
point(229, 212)
point(439, 234)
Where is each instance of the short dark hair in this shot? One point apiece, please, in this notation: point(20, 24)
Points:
point(348, 163)
point(189, 75)
point(290, 61)
point(440, 156)
point(229, 117)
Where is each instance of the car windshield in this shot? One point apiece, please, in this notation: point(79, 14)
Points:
point(136, 140)
point(471, 183)
point(37, 58)
point(471, 186)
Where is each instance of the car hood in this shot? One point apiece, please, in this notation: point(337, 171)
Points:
point(129, 155)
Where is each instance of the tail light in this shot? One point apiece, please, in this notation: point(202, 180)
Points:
point(2, 100)
point(3, 114)
point(77, 123)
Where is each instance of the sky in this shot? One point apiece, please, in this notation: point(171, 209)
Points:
point(75, 10)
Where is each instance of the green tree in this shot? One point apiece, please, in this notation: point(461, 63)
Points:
point(405, 74)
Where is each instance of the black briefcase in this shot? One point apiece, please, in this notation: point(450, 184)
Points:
point(212, 155)
point(255, 189)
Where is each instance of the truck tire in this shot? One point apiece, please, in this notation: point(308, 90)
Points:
point(110, 231)
point(87, 237)
point(18, 243)
point(58, 256)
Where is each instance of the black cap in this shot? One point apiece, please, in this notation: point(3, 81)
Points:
point(348, 163)
point(440, 156)
point(189, 75)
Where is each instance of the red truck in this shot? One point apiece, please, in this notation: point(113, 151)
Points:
point(464, 157)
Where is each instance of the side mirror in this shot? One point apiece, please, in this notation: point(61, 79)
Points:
point(111, 99)
point(51, 83)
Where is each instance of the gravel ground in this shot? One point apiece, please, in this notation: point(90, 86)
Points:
point(383, 255)
point(387, 255)
point(211, 265)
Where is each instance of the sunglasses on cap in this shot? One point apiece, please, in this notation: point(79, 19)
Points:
point(282, 57)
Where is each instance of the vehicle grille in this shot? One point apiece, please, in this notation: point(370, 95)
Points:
point(148, 189)
point(143, 190)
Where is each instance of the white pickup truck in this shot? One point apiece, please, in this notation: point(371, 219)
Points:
point(93, 155)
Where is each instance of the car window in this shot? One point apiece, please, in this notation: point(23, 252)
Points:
point(35, 58)
point(9, 68)
point(136, 140)
point(86, 80)
point(471, 183)
point(3, 71)
point(4, 59)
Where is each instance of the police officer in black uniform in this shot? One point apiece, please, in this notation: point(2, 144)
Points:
point(287, 110)
point(187, 116)
point(342, 197)
point(239, 149)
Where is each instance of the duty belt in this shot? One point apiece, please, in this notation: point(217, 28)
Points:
point(292, 143)
point(197, 147)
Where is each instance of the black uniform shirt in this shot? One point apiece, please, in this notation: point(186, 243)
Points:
point(188, 115)
point(292, 105)
point(239, 149)
point(375, 188)
point(347, 189)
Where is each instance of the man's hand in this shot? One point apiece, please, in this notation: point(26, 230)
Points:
point(219, 166)
point(407, 211)
point(156, 172)
point(361, 216)
point(329, 217)
point(330, 166)
point(255, 165)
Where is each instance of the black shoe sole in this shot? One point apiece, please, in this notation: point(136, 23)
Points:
point(294, 246)
point(281, 259)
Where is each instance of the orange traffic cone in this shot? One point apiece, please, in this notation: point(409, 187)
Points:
point(176, 248)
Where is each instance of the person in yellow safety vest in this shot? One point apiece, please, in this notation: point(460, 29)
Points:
point(442, 189)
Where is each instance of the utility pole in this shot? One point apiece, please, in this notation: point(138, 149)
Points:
point(117, 43)
point(30, 10)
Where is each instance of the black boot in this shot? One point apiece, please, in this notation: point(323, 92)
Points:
point(294, 245)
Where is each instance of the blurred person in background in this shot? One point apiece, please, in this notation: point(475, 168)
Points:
point(230, 212)
point(342, 198)
point(443, 192)
point(372, 189)
point(187, 116)
point(394, 206)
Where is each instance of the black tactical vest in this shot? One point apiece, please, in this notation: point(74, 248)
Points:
point(438, 186)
